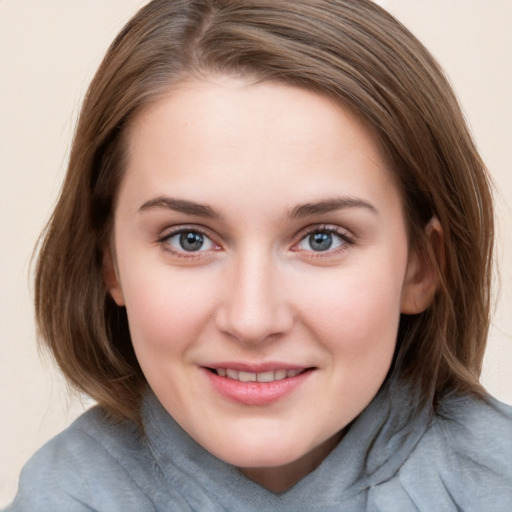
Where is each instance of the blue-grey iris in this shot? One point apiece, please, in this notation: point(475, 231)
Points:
point(191, 241)
point(320, 241)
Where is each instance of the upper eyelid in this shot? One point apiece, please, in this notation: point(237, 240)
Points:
point(318, 228)
point(176, 230)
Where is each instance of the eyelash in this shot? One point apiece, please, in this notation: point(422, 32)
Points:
point(344, 238)
point(182, 254)
point(346, 241)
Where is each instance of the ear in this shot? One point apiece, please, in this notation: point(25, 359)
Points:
point(111, 276)
point(422, 274)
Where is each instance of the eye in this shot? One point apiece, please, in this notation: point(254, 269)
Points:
point(323, 240)
point(189, 240)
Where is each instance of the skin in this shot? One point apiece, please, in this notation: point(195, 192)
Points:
point(258, 290)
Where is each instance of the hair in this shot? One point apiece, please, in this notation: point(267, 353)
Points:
point(355, 53)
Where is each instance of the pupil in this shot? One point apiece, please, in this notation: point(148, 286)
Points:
point(320, 241)
point(191, 241)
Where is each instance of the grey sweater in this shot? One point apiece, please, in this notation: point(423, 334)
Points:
point(393, 458)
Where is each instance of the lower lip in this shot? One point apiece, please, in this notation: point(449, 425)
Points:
point(256, 393)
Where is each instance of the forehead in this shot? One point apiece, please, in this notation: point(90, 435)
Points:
point(219, 135)
point(225, 109)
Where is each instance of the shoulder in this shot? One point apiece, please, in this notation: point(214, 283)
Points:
point(465, 456)
point(480, 428)
point(92, 465)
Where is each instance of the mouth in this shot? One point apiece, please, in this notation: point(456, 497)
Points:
point(257, 385)
point(264, 377)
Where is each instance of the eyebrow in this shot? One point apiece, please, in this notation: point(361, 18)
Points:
point(182, 206)
point(328, 206)
point(298, 212)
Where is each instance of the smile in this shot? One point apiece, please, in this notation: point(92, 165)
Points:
point(259, 388)
point(267, 376)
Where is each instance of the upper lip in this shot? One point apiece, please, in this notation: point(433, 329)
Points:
point(256, 367)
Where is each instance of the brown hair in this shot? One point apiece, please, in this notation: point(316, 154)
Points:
point(350, 50)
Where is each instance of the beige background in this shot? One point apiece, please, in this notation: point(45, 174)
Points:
point(49, 51)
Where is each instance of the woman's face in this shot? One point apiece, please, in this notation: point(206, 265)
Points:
point(261, 252)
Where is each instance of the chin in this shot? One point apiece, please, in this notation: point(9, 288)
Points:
point(255, 453)
point(271, 453)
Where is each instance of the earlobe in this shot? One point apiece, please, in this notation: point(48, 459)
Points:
point(422, 275)
point(111, 277)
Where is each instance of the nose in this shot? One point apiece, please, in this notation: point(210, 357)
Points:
point(255, 306)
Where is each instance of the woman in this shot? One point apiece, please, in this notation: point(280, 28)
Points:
point(270, 266)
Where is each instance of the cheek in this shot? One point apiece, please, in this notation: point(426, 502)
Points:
point(356, 312)
point(165, 310)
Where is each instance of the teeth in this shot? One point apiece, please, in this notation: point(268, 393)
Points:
point(246, 377)
point(266, 377)
point(280, 374)
point(232, 374)
point(270, 376)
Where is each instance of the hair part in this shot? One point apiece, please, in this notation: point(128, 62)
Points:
point(349, 50)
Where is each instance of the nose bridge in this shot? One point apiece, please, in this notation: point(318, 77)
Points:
point(255, 307)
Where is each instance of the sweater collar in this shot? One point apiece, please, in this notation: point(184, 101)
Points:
point(377, 443)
